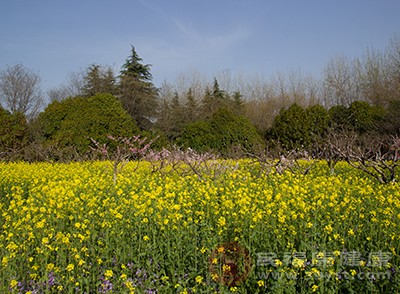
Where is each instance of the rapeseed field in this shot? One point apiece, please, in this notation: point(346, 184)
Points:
point(68, 228)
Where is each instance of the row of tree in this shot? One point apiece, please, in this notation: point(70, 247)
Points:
point(359, 97)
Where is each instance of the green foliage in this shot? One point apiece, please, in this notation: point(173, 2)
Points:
point(361, 117)
point(137, 93)
point(191, 107)
point(13, 131)
point(391, 119)
point(339, 116)
point(291, 128)
point(134, 68)
point(197, 135)
point(224, 131)
point(318, 120)
point(99, 79)
point(74, 121)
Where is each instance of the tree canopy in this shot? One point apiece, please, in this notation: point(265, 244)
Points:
point(74, 121)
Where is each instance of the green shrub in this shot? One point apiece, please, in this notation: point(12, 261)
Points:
point(224, 131)
point(74, 121)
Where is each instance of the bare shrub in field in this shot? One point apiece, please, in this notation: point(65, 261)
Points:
point(295, 161)
point(203, 165)
point(378, 157)
point(124, 150)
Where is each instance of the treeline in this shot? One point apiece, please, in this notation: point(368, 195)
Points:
point(230, 116)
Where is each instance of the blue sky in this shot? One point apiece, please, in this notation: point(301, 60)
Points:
point(55, 38)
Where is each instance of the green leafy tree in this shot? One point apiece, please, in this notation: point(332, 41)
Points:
point(75, 121)
point(291, 128)
point(232, 130)
point(363, 117)
point(391, 118)
point(197, 135)
point(137, 93)
point(224, 131)
point(318, 120)
point(339, 118)
point(13, 133)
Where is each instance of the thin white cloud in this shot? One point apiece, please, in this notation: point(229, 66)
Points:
point(212, 40)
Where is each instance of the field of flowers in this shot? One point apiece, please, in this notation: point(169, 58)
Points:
point(68, 228)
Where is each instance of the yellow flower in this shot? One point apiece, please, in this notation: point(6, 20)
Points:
point(13, 283)
point(146, 238)
point(328, 229)
point(278, 262)
point(314, 288)
point(129, 285)
point(108, 273)
point(233, 289)
point(226, 268)
point(50, 266)
point(199, 279)
point(261, 283)
point(4, 261)
point(222, 221)
point(297, 262)
point(70, 267)
point(336, 253)
point(351, 232)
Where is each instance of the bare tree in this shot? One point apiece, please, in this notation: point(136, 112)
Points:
point(19, 90)
point(378, 157)
point(338, 86)
point(73, 87)
point(58, 93)
point(393, 67)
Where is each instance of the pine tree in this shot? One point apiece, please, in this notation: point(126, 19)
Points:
point(99, 79)
point(138, 94)
point(191, 107)
point(208, 105)
point(237, 103)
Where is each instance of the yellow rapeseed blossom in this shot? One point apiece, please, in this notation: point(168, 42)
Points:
point(108, 274)
point(64, 221)
point(70, 267)
point(199, 279)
